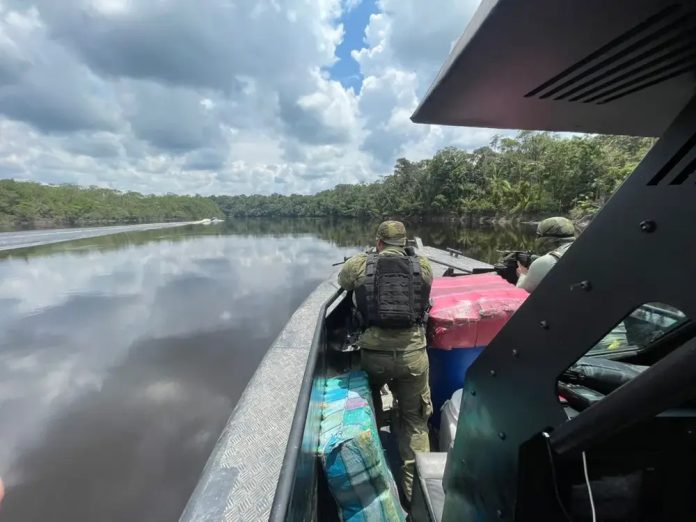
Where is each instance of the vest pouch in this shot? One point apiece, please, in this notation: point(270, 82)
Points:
point(394, 294)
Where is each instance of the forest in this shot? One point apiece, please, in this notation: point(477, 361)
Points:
point(33, 204)
point(530, 175)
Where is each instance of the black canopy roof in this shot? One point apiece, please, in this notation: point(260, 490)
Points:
point(556, 65)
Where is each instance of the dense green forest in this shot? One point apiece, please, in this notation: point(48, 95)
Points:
point(532, 174)
point(27, 204)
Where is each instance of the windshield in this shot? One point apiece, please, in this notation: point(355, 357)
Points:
point(641, 328)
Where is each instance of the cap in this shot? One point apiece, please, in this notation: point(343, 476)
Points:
point(392, 233)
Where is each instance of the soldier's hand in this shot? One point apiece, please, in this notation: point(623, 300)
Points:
point(521, 270)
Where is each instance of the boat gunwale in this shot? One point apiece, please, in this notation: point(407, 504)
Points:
point(284, 488)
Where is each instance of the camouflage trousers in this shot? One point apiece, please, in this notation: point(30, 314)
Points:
point(406, 373)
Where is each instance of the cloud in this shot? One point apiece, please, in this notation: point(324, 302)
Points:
point(349, 5)
point(205, 159)
point(217, 97)
point(326, 115)
point(44, 85)
point(97, 145)
point(170, 118)
point(407, 42)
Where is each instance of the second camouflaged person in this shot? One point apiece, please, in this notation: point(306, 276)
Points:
point(392, 292)
point(556, 234)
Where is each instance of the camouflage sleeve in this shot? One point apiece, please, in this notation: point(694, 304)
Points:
point(426, 269)
point(537, 271)
point(351, 273)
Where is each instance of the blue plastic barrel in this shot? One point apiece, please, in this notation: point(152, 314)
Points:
point(447, 374)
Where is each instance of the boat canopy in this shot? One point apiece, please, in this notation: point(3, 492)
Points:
point(610, 67)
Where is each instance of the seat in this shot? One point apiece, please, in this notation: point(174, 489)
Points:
point(428, 499)
point(602, 375)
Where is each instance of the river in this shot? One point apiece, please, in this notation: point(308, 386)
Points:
point(122, 356)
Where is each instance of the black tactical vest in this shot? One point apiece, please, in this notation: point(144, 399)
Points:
point(394, 294)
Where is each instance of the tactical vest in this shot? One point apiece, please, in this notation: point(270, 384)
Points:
point(394, 294)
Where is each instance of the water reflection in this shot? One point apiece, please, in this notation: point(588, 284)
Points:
point(482, 243)
point(121, 357)
point(119, 364)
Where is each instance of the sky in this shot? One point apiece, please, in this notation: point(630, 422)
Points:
point(221, 96)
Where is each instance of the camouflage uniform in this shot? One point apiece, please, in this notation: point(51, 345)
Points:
point(560, 232)
point(557, 233)
point(397, 357)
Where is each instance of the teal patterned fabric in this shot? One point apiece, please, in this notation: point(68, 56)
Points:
point(352, 455)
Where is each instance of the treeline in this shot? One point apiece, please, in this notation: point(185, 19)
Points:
point(32, 204)
point(531, 174)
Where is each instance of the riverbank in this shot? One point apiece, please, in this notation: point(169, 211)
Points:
point(26, 204)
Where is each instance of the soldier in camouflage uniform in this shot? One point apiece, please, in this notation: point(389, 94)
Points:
point(556, 234)
point(397, 356)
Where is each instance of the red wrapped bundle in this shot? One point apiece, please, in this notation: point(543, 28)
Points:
point(469, 311)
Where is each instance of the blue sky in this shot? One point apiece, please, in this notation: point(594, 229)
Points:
point(346, 70)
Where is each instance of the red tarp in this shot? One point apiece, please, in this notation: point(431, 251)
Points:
point(468, 311)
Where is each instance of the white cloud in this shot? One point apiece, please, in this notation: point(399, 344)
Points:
point(349, 5)
point(216, 97)
point(407, 41)
point(332, 106)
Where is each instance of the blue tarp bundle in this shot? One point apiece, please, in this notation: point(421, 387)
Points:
point(352, 455)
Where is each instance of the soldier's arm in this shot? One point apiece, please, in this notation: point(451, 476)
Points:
point(426, 269)
point(352, 270)
point(537, 271)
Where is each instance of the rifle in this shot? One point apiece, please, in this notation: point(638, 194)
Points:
point(369, 250)
point(410, 251)
point(506, 267)
point(523, 257)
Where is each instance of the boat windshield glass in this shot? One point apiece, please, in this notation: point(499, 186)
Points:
point(641, 328)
